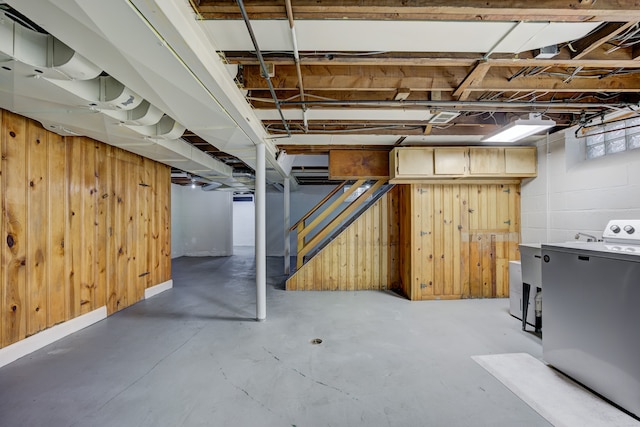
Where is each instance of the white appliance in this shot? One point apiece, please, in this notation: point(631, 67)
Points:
point(515, 294)
point(530, 258)
point(591, 299)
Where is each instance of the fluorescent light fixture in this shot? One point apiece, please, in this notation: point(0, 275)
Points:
point(521, 128)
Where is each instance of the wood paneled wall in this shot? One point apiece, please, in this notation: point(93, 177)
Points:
point(84, 225)
point(362, 257)
point(457, 239)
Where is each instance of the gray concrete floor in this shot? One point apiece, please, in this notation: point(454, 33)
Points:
point(193, 356)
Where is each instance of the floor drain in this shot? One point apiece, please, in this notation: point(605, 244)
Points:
point(316, 341)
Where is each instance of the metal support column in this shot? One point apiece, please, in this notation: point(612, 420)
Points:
point(287, 233)
point(261, 249)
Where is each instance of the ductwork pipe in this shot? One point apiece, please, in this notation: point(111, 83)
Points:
point(263, 66)
point(296, 58)
point(54, 59)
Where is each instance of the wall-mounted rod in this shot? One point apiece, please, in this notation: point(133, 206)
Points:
point(296, 58)
point(263, 66)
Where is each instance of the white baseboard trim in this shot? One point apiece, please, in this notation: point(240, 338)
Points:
point(155, 290)
point(35, 342)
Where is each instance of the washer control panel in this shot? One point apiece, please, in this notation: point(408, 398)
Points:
point(622, 230)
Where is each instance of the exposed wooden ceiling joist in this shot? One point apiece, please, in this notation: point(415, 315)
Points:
point(598, 57)
point(382, 129)
point(385, 78)
point(596, 39)
point(293, 149)
point(469, 10)
point(473, 78)
point(570, 81)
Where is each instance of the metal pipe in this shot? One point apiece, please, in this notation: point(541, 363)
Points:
point(462, 104)
point(296, 58)
point(263, 66)
point(261, 248)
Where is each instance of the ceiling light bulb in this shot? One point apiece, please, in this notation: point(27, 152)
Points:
point(193, 185)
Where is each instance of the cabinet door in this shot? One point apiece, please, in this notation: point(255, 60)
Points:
point(520, 160)
point(414, 162)
point(450, 161)
point(486, 161)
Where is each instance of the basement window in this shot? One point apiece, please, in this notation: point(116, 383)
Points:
point(613, 138)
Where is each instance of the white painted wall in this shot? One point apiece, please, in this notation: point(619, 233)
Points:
point(302, 200)
point(571, 195)
point(201, 222)
point(244, 224)
point(177, 234)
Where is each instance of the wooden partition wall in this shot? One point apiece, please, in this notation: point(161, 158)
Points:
point(429, 241)
point(84, 225)
point(362, 257)
point(457, 239)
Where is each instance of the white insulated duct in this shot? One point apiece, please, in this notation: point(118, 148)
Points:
point(101, 93)
point(45, 53)
point(166, 128)
point(56, 64)
point(144, 114)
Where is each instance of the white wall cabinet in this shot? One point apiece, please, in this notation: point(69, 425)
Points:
point(413, 164)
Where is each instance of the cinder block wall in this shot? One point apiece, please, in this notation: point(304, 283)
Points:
point(573, 195)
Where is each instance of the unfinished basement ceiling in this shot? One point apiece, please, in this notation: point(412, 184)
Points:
point(375, 74)
point(378, 74)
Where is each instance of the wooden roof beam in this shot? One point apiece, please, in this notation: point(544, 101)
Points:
point(599, 37)
point(599, 57)
point(473, 78)
point(389, 79)
point(469, 10)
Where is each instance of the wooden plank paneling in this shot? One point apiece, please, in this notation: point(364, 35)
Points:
point(334, 262)
point(421, 257)
point(424, 277)
point(356, 164)
point(114, 282)
point(143, 227)
point(164, 181)
point(454, 241)
point(438, 240)
point(352, 261)
point(465, 263)
point(87, 247)
point(406, 253)
point(468, 235)
point(65, 222)
point(58, 299)
point(154, 224)
point(75, 171)
point(102, 200)
point(37, 274)
point(14, 217)
point(376, 237)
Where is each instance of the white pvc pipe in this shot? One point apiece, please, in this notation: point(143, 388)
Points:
point(287, 216)
point(261, 248)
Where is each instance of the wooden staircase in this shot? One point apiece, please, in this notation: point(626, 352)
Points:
point(355, 254)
